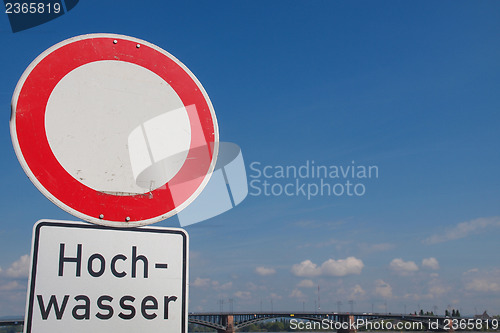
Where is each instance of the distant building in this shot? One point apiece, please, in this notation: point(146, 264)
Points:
point(483, 316)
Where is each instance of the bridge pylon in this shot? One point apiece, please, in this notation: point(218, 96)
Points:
point(229, 320)
point(352, 321)
point(449, 323)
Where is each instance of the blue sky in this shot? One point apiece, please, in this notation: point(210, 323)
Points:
point(409, 87)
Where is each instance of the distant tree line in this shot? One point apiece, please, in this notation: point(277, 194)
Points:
point(454, 313)
point(279, 325)
point(422, 313)
point(199, 328)
point(11, 329)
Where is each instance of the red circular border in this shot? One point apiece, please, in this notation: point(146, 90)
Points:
point(34, 146)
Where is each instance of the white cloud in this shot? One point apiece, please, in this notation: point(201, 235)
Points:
point(199, 282)
point(218, 287)
point(380, 247)
point(265, 271)
point(296, 293)
point(337, 244)
point(357, 292)
point(464, 229)
point(431, 263)
point(306, 284)
point(243, 294)
point(19, 268)
point(194, 255)
point(275, 296)
point(383, 289)
point(253, 287)
point(419, 297)
point(402, 267)
point(342, 267)
point(487, 281)
point(9, 286)
point(319, 224)
point(205, 283)
point(306, 269)
point(331, 267)
point(483, 285)
point(471, 271)
point(437, 290)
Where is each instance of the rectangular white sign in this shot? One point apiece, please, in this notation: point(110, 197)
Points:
point(90, 278)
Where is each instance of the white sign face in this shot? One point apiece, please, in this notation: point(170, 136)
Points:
point(89, 278)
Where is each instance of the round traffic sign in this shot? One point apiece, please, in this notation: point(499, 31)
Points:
point(114, 130)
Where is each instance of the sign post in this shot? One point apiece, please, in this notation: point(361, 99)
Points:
point(90, 278)
point(119, 133)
